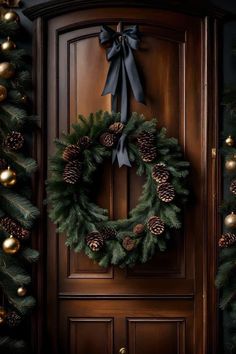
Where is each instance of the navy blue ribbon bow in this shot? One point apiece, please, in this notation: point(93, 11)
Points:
point(122, 68)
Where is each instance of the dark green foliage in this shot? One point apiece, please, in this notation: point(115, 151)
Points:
point(76, 215)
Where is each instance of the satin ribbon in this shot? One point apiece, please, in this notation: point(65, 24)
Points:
point(121, 71)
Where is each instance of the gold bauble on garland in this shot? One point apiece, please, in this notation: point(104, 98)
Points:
point(229, 141)
point(3, 93)
point(11, 245)
point(230, 220)
point(3, 314)
point(11, 16)
point(230, 164)
point(7, 70)
point(8, 177)
point(8, 45)
point(21, 291)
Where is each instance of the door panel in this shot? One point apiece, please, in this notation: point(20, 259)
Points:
point(157, 307)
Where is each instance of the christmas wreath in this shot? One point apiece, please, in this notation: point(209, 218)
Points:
point(87, 226)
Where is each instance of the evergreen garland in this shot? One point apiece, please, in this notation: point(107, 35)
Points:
point(17, 213)
point(121, 242)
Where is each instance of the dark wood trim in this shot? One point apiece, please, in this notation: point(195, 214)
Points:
point(66, 296)
point(55, 8)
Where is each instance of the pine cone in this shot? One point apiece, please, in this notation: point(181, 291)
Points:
point(14, 141)
point(14, 228)
point(128, 243)
point(155, 225)
point(71, 152)
point(233, 187)
point(95, 241)
point(166, 192)
point(116, 128)
point(160, 173)
point(146, 139)
point(148, 154)
point(108, 139)
point(72, 172)
point(226, 240)
point(3, 164)
point(139, 229)
point(85, 141)
point(107, 233)
point(13, 319)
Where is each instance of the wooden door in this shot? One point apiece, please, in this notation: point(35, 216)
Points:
point(159, 307)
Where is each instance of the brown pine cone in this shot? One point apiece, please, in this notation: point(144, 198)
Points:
point(3, 164)
point(13, 319)
point(71, 152)
point(72, 172)
point(227, 239)
point(95, 241)
point(108, 233)
point(85, 141)
point(166, 192)
point(160, 173)
point(138, 229)
point(146, 139)
point(14, 141)
point(116, 128)
point(148, 154)
point(155, 225)
point(108, 139)
point(233, 187)
point(14, 228)
point(128, 243)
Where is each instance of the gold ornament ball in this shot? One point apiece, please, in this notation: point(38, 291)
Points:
point(230, 220)
point(11, 16)
point(11, 245)
point(229, 141)
point(3, 314)
point(8, 177)
point(7, 70)
point(21, 291)
point(8, 45)
point(3, 93)
point(230, 164)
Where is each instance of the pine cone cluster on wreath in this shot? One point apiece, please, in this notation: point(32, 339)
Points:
point(14, 228)
point(146, 146)
point(227, 240)
point(14, 141)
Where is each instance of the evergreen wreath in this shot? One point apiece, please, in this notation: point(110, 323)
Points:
point(87, 226)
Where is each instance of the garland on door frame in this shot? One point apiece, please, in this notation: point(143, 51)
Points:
point(151, 222)
point(17, 213)
point(226, 277)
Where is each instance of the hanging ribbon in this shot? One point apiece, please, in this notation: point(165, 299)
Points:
point(122, 68)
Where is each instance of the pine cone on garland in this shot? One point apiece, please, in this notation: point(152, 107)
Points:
point(166, 192)
point(116, 128)
point(233, 187)
point(226, 240)
point(14, 228)
point(3, 164)
point(71, 152)
point(72, 172)
point(85, 141)
point(160, 173)
point(155, 225)
point(95, 241)
point(13, 141)
point(146, 146)
point(128, 243)
point(108, 139)
point(13, 319)
point(139, 229)
point(108, 233)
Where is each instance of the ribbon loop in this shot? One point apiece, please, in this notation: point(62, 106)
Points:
point(122, 68)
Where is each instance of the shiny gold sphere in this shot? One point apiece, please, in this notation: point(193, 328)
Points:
point(3, 93)
point(7, 70)
point(230, 164)
point(230, 220)
point(8, 45)
point(229, 141)
point(11, 245)
point(8, 177)
point(3, 312)
point(11, 16)
point(21, 291)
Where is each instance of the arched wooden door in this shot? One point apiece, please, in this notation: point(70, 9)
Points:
point(160, 307)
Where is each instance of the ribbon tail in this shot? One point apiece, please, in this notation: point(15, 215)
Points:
point(112, 77)
point(121, 153)
point(124, 94)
